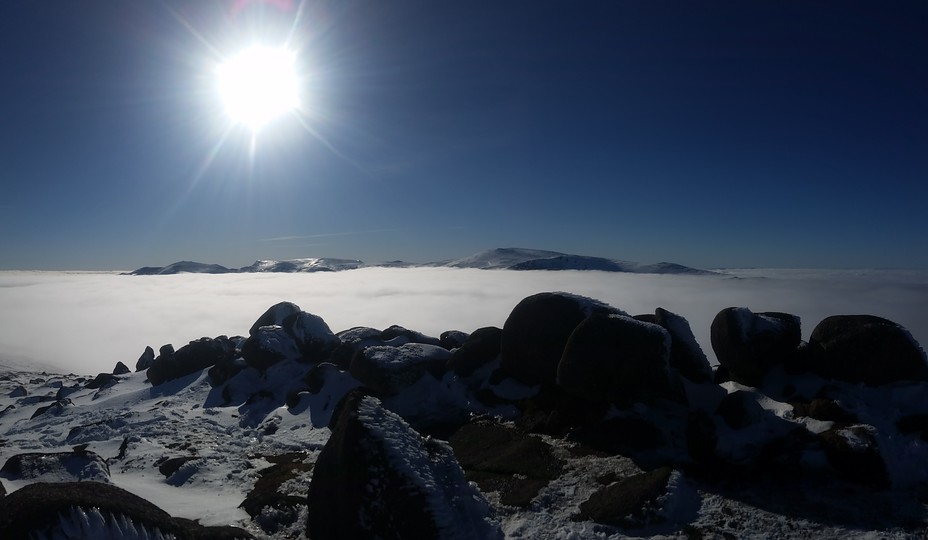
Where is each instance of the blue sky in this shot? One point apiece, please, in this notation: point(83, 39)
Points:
point(772, 134)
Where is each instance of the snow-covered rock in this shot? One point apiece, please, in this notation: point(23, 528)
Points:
point(686, 356)
point(389, 370)
point(75, 466)
point(377, 478)
point(748, 345)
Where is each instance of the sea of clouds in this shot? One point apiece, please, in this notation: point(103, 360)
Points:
point(84, 323)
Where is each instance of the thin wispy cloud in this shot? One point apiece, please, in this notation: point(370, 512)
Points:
point(85, 323)
point(326, 235)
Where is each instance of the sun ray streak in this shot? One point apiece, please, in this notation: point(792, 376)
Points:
point(296, 21)
point(193, 31)
point(204, 166)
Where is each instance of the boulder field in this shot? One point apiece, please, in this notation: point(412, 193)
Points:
point(429, 434)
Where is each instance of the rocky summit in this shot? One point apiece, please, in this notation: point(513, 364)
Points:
point(574, 420)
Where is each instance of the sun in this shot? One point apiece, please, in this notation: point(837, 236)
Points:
point(258, 85)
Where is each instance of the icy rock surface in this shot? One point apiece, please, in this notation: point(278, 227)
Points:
point(390, 369)
point(378, 478)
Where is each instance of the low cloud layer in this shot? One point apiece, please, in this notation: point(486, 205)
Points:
point(85, 322)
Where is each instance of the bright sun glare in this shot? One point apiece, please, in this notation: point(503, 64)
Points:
point(258, 85)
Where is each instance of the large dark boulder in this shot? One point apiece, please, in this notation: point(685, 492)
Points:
point(102, 380)
point(452, 339)
point(225, 370)
point(311, 335)
point(95, 510)
point(413, 336)
point(56, 467)
point(686, 356)
point(274, 316)
point(480, 348)
point(537, 330)
point(121, 369)
point(866, 349)
point(749, 344)
point(388, 370)
point(195, 356)
point(616, 358)
point(357, 339)
point(145, 360)
point(377, 478)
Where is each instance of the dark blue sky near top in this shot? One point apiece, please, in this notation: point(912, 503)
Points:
point(720, 133)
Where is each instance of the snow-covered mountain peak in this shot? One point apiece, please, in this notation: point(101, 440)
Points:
point(492, 259)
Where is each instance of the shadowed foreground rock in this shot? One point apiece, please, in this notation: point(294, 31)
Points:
point(95, 510)
point(750, 344)
point(196, 355)
point(866, 349)
point(377, 478)
point(537, 329)
point(616, 358)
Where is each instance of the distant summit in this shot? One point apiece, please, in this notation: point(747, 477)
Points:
point(492, 259)
point(536, 259)
point(288, 267)
point(182, 267)
point(303, 265)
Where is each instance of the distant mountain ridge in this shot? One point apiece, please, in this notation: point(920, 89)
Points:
point(492, 259)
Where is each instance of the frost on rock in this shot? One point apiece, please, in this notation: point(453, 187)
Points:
point(56, 467)
point(312, 334)
point(79, 524)
point(377, 477)
point(390, 369)
point(685, 354)
point(749, 345)
point(269, 345)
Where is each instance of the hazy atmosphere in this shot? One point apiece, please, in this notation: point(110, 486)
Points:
point(722, 134)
